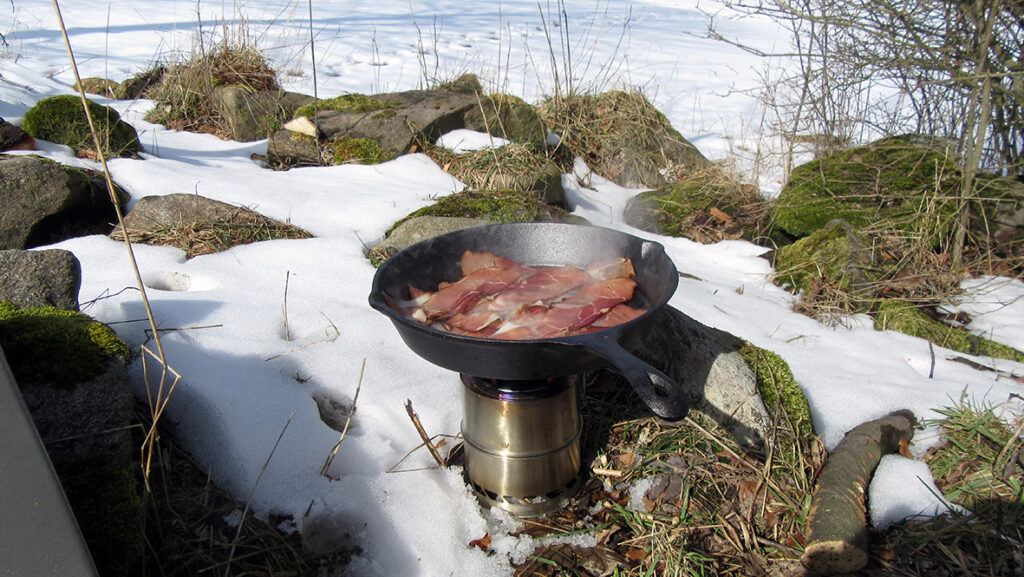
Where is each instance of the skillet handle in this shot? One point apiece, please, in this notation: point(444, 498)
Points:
point(661, 394)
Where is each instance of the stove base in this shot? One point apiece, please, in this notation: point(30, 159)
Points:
point(521, 442)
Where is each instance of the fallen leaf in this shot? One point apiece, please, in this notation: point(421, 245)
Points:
point(636, 554)
point(484, 543)
point(720, 215)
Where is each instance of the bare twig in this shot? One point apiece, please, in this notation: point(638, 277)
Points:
point(423, 434)
point(348, 420)
point(284, 306)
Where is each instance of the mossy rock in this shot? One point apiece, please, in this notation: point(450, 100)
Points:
point(463, 83)
point(891, 182)
point(509, 117)
point(704, 207)
point(837, 255)
point(61, 119)
point(623, 138)
point(906, 318)
point(347, 103)
point(57, 347)
point(139, 85)
point(103, 492)
point(101, 86)
point(348, 150)
point(495, 206)
point(778, 388)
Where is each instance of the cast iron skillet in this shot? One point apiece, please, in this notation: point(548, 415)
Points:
point(427, 263)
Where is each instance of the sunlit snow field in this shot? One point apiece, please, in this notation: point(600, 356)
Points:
point(239, 389)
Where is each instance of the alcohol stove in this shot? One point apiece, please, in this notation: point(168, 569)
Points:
point(521, 442)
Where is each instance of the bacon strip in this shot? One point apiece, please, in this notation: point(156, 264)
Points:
point(501, 299)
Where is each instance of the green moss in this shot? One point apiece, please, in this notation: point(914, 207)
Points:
point(891, 181)
point(54, 346)
point(904, 317)
point(362, 150)
point(101, 86)
point(509, 117)
point(496, 206)
point(386, 113)
point(685, 208)
point(61, 119)
point(834, 254)
point(778, 388)
point(346, 102)
point(103, 492)
point(464, 83)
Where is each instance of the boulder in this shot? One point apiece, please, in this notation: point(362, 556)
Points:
point(623, 138)
point(398, 122)
point(42, 202)
point(14, 138)
point(200, 225)
point(420, 228)
point(708, 364)
point(704, 207)
point(100, 86)
point(838, 256)
point(139, 85)
point(61, 119)
point(254, 115)
point(31, 278)
point(509, 117)
point(73, 377)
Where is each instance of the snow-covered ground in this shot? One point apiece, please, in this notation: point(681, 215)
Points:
point(240, 389)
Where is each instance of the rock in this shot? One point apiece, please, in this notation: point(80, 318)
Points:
point(254, 115)
point(286, 149)
point(707, 363)
point(100, 86)
point(73, 377)
point(396, 121)
point(61, 119)
point(623, 138)
point(508, 117)
point(837, 255)
point(704, 207)
point(31, 278)
point(14, 138)
point(420, 228)
point(138, 86)
point(42, 202)
point(200, 225)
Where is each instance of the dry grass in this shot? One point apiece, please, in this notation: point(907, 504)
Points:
point(187, 531)
point(708, 508)
point(184, 96)
point(208, 237)
point(979, 465)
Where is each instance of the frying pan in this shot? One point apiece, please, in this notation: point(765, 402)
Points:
point(425, 264)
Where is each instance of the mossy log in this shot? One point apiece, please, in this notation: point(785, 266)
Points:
point(837, 523)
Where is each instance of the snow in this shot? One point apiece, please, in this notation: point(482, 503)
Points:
point(245, 382)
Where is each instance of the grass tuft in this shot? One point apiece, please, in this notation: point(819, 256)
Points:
point(208, 237)
point(185, 95)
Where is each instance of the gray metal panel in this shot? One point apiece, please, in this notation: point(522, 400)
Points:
point(38, 533)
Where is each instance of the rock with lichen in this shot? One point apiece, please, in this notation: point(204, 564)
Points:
point(397, 122)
